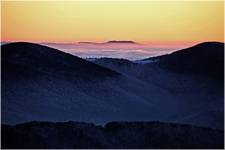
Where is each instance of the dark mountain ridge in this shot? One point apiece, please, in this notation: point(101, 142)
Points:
point(49, 60)
point(112, 135)
point(204, 58)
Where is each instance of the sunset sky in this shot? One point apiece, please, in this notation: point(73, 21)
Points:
point(157, 23)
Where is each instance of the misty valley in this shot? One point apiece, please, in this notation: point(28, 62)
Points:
point(48, 94)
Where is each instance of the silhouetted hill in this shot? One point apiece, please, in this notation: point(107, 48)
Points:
point(206, 59)
point(113, 135)
point(25, 56)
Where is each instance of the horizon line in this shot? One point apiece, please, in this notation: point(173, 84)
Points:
point(108, 41)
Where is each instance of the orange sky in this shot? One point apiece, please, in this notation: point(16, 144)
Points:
point(144, 22)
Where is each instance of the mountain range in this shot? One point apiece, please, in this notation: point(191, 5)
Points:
point(46, 84)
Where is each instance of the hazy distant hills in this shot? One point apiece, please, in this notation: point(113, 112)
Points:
point(41, 83)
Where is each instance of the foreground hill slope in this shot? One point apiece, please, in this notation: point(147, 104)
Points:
point(113, 135)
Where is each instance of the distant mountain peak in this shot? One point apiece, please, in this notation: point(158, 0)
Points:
point(110, 42)
point(122, 42)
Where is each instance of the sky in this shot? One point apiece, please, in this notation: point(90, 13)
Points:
point(170, 24)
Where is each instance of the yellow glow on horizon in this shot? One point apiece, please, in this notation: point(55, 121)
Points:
point(141, 21)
